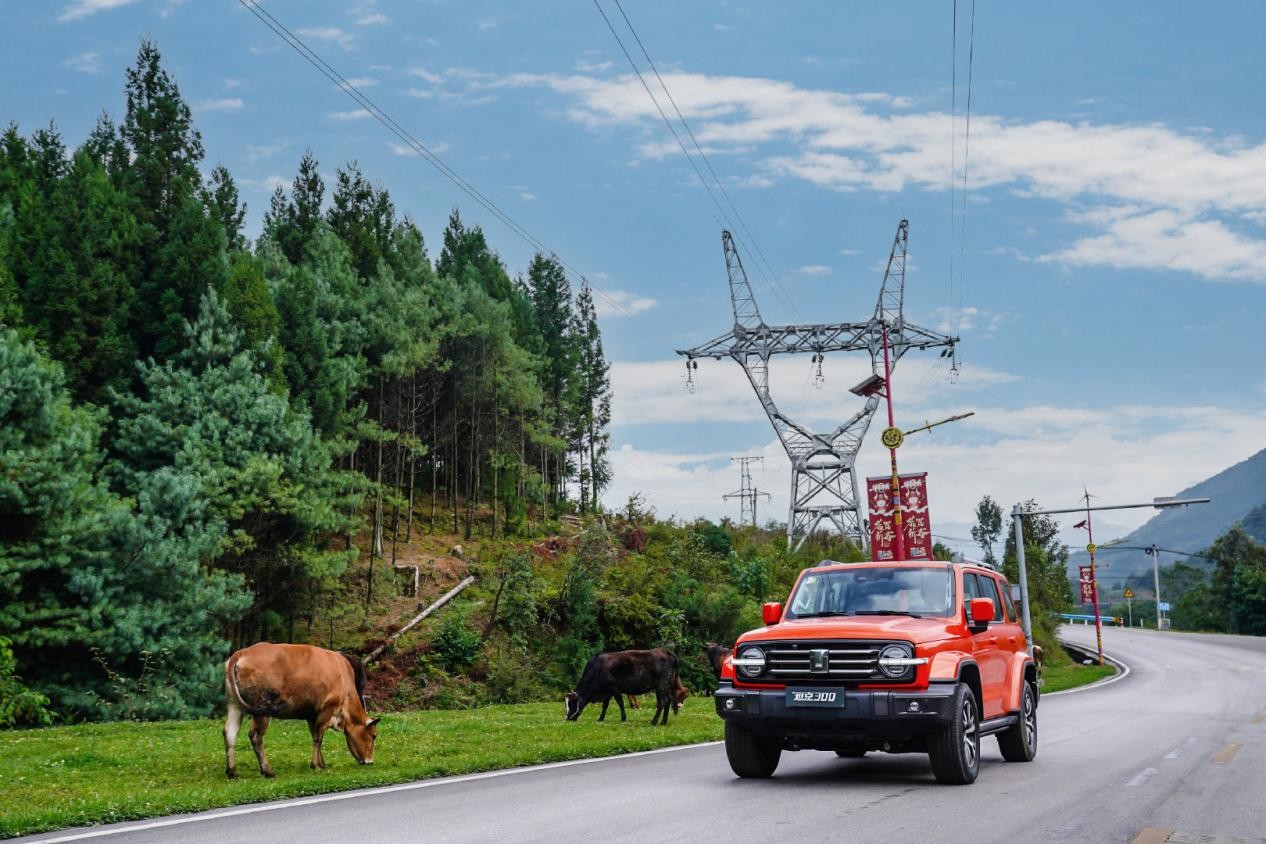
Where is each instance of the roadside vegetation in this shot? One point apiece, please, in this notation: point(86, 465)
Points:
point(104, 773)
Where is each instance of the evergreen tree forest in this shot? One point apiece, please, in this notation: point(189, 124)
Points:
point(196, 426)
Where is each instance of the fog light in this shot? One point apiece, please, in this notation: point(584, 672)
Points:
point(913, 707)
point(729, 703)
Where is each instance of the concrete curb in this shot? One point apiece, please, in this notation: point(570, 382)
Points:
point(1122, 669)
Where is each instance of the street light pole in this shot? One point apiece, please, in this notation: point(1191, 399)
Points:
point(899, 540)
point(1017, 514)
point(1155, 552)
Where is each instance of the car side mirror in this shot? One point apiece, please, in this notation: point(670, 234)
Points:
point(981, 613)
point(771, 613)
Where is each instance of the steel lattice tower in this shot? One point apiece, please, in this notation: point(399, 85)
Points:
point(747, 493)
point(823, 482)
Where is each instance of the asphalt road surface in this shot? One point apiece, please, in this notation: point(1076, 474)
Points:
point(1175, 750)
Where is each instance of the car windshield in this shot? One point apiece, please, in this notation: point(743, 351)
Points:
point(867, 590)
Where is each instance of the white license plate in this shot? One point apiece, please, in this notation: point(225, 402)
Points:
point(815, 697)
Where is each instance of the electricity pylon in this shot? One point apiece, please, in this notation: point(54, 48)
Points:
point(823, 481)
point(747, 492)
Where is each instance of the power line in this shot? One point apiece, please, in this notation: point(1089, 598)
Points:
point(962, 243)
point(953, 314)
point(738, 216)
point(339, 81)
point(780, 295)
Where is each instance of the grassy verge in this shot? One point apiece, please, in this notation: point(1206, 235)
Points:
point(102, 773)
point(1057, 678)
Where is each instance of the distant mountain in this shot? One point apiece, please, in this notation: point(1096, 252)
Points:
point(1237, 494)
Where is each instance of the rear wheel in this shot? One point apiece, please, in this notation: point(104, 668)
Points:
point(955, 750)
point(750, 755)
point(1019, 744)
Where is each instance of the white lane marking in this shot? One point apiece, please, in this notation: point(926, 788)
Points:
point(1147, 774)
point(1106, 681)
point(349, 795)
point(1174, 754)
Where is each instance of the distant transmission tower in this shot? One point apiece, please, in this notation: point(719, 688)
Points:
point(747, 492)
point(823, 482)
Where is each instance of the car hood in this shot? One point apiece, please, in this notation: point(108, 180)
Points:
point(855, 627)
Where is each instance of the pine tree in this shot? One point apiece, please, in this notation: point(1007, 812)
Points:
point(89, 580)
point(225, 207)
point(592, 412)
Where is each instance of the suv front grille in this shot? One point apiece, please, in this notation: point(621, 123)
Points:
point(847, 662)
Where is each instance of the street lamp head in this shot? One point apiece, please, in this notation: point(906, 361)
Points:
point(871, 386)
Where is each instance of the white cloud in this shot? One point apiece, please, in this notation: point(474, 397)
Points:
point(373, 19)
point(84, 63)
point(83, 8)
point(1174, 183)
point(850, 252)
point(267, 184)
point(1166, 240)
point(814, 269)
point(230, 84)
point(618, 303)
point(969, 319)
point(1045, 453)
point(221, 104)
point(527, 195)
point(367, 14)
point(487, 23)
point(258, 152)
point(593, 67)
point(354, 114)
point(362, 82)
point(331, 35)
point(651, 392)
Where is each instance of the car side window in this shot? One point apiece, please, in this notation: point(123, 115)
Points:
point(1006, 600)
point(989, 589)
point(971, 589)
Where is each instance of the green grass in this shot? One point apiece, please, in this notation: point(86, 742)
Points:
point(1057, 678)
point(102, 773)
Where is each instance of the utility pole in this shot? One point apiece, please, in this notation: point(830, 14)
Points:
point(823, 480)
point(747, 493)
point(1094, 579)
point(1154, 552)
point(1017, 520)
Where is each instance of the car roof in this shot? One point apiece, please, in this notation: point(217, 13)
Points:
point(909, 564)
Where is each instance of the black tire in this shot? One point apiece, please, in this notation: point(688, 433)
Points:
point(750, 755)
point(955, 750)
point(1019, 744)
point(850, 754)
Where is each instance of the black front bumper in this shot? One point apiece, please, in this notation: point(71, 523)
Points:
point(862, 718)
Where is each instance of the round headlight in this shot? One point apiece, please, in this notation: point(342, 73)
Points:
point(751, 661)
point(894, 660)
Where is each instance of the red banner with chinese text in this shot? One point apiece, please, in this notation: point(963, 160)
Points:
point(1086, 577)
point(914, 517)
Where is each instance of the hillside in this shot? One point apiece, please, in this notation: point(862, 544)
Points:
point(1237, 494)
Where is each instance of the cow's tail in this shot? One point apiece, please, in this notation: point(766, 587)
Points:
point(358, 672)
point(230, 684)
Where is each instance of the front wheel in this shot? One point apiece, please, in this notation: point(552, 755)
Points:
point(750, 755)
point(1019, 744)
point(955, 750)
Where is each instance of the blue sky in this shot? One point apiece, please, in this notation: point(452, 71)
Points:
point(1112, 277)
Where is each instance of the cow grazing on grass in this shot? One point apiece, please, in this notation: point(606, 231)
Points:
point(322, 687)
point(716, 656)
point(627, 672)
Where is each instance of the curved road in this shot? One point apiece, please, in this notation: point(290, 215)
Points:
point(1175, 751)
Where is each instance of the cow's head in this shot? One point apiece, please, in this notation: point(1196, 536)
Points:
point(360, 740)
point(571, 703)
point(680, 700)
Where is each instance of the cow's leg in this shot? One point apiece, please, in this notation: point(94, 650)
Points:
point(317, 727)
point(259, 726)
point(232, 723)
point(620, 703)
point(606, 701)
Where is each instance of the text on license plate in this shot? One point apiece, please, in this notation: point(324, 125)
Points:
point(815, 697)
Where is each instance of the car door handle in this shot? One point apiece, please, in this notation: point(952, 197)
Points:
point(993, 640)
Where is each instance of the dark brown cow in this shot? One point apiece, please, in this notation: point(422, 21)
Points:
point(626, 672)
point(716, 656)
point(322, 687)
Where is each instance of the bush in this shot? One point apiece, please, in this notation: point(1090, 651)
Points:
point(19, 706)
point(455, 643)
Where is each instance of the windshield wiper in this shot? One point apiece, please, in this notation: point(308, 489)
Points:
point(889, 612)
point(823, 614)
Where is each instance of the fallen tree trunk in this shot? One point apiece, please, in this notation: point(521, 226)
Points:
point(439, 602)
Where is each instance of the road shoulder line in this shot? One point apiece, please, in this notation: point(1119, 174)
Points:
point(1123, 671)
point(254, 808)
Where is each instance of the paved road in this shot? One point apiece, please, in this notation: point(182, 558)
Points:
point(1174, 751)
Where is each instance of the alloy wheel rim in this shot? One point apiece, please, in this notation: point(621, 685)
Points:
point(969, 734)
point(1030, 721)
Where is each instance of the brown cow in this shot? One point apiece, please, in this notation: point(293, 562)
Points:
point(618, 673)
point(716, 656)
point(322, 687)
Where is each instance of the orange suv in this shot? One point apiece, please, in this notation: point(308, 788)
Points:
point(910, 657)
